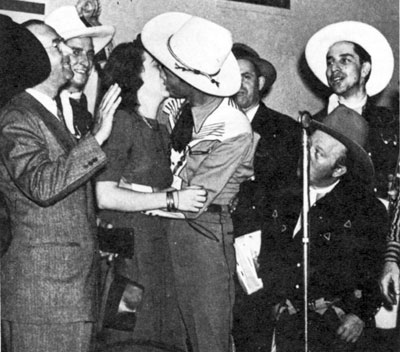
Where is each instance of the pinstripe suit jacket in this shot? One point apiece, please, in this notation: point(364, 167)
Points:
point(49, 271)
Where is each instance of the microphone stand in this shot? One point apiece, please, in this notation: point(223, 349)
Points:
point(305, 120)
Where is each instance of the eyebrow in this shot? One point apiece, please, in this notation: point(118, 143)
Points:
point(341, 55)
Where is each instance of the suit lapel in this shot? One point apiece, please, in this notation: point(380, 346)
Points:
point(52, 123)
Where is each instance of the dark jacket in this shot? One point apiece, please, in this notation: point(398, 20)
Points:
point(275, 165)
point(347, 237)
point(383, 143)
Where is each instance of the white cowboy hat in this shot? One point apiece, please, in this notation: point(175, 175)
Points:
point(196, 50)
point(66, 22)
point(373, 41)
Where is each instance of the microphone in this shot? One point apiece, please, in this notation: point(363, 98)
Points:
point(305, 119)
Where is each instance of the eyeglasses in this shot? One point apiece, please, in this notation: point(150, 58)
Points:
point(57, 43)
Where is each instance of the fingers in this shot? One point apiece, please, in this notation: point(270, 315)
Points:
point(351, 328)
point(110, 96)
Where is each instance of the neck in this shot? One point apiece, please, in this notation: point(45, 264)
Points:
point(198, 98)
point(354, 97)
point(47, 89)
point(148, 107)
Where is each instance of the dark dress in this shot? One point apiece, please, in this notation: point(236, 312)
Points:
point(138, 151)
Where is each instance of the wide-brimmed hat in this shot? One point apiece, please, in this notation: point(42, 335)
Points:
point(267, 70)
point(67, 23)
point(351, 129)
point(363, 34)
point(24, 62)
point(196, 50)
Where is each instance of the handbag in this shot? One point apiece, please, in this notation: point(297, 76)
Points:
point(116, 240)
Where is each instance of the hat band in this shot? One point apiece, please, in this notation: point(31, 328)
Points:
point(186, 67)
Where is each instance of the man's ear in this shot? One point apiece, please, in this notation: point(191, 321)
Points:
point(365, 69)
point(261, 82)
point(339, 171)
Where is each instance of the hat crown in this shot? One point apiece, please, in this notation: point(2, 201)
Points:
point(64, 20)
point(348, 123)
point(201, 45)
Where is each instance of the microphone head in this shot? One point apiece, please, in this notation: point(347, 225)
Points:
point(305, 119)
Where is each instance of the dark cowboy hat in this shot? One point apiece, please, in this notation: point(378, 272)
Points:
point(267, 70)
point(23, 60)
point(351, 129)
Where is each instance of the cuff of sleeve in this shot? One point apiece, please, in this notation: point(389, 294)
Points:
point(392, 252)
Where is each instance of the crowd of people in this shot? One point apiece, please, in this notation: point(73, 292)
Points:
point(180, 157)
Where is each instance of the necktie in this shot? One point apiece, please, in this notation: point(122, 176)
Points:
point(83, 121)
point(60, 114)
point(182, 133)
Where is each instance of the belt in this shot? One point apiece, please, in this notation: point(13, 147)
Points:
point(217, 208)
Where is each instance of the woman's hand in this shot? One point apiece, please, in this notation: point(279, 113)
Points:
point(190, 199)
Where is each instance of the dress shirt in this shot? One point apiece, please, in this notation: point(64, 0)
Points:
point(48, 102)
point(335, 100)
point(252, 112)
point(65, 95)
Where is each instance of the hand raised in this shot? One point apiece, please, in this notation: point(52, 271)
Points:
point(105, 113)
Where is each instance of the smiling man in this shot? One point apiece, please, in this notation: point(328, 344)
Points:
point(85, 42)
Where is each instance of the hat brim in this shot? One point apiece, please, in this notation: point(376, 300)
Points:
point(368, 37)
point(363, 164)
point(101, 35)
point(17, 69)
point(266, 69)
point(155, 35)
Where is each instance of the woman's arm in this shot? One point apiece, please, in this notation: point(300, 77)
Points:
point(111, 196)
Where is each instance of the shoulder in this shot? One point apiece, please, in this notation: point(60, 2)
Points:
point(380, 115)
point(234, 118)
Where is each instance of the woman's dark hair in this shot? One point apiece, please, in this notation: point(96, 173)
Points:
point(124, 67)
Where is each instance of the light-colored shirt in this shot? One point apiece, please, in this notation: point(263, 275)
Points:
point(252, 112)
point(220, 155)
point(357, 106)
point(65, 95)
point(48, 102)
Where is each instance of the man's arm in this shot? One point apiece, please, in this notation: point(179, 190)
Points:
point(44, 172)
point(218, 167)
point(390, 277)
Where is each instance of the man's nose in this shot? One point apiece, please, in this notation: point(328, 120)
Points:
point(65, 49)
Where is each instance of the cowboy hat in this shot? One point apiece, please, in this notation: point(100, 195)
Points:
point(66, 22)
point(267, 70)
point(351, 129)
point(363, 34)
point(194, 49)
point(24, 62)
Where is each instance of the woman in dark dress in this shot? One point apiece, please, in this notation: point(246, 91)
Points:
point(135, 180)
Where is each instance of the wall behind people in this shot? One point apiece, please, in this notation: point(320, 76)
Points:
point(279, 35)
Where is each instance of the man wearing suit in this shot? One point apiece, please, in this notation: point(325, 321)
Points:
point(348, 226)
point(48, 274)
point(276, 157)
point(85, 43)
point(275, 165)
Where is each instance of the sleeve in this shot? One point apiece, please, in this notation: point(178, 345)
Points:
point(117, 147)
point(392, 252)
point(364, 297)
point(36, 167)
point(218, 167)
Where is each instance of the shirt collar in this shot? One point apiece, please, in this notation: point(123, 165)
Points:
point(252, 112)
point(200, 113)
point(335, 100)
point(48, 102)
point(319, 192)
